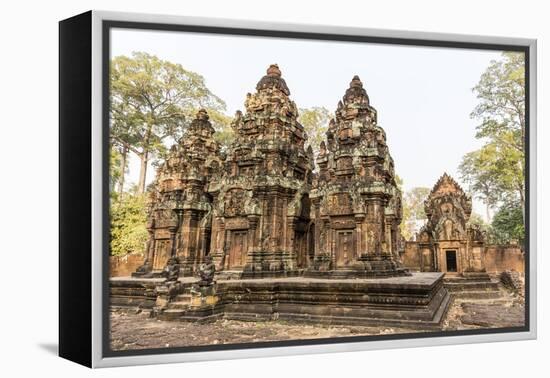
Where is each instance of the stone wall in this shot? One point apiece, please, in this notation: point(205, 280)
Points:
point(124, 266)
point(496, 258)
point(411, 256)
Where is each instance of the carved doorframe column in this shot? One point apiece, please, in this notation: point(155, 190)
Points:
point(359, 219)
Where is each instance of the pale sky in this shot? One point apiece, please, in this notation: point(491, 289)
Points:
point(423, 95)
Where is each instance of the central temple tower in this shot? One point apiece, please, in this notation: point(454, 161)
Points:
point(262, 209)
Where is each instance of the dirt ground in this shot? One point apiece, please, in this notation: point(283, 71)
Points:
point(133, 330)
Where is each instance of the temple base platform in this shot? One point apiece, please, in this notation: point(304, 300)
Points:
point(418, 301)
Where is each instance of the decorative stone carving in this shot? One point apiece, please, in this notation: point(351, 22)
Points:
point(454, 243)
point(256, 212)
point(171, 270)
point(179, 220)
point(357, 204)
point(260, 194)
point(206, 272)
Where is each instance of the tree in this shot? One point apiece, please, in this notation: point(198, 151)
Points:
point(128, 219)
point(152, 100)
point(224, 133)
point(496, 172)
point(115, 177)
point(315, 121)
point(413, 211)
point(479, 169)
point(501, 95)
point(507, 225)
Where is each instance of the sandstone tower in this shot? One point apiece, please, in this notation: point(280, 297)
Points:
point(357, 204)
point(261, 214)
point(180, 212)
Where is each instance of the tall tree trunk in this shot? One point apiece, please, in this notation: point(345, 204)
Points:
point(144, 160)
point(143, 171)
point(488, 212)
point(124, 155)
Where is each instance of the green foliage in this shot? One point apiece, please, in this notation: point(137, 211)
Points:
point(507, 224)
point(399, 182)
point(413, 211)
point(315, 121)
point(115, 163)
point(128, 219)
point(496, 172)
point(224, 133)
point(476, 219)
point(501, 95)
point(152, 101)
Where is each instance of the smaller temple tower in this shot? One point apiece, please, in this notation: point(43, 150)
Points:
point(180, 210)
point(448, 242)
point(356, 202)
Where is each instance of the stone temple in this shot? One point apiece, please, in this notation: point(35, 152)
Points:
point(449, 242)
point(179, 222)
point(261, 209)
point(272, 239)
point(356, 204)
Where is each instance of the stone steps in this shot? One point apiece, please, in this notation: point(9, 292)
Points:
point(178, 305)
point(183, 298)
point(472, 285)
point(180, 302)
point(171, 314)
point(459, 279)
point(457, 286)
point(477, 294)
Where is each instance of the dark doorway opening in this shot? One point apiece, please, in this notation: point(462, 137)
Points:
point(451, 261)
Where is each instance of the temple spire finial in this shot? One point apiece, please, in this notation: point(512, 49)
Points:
point(274, 70)
point(356, 82)
point(202, 114)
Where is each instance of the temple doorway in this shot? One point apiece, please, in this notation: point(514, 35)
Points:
point(301, 249)
point(345, 248)
point(162, 253)
point(451, 261)
point(237, 252)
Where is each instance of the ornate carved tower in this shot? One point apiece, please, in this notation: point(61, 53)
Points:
point(448, 242)
point(180, 209)
point(261, 212)
point(356, 202)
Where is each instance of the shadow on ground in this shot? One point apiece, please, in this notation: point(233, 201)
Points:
point(51, 348)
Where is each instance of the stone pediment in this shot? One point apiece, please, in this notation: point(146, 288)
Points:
point(446, 185)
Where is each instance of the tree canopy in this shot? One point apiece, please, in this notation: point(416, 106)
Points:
point(128, 218)
point(152, 101)
point(413, 211)
point(315, 121)
point(496, 172)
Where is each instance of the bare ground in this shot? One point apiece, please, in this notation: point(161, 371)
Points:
point(131, 330)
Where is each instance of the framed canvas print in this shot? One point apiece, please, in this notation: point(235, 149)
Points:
point(232, 189)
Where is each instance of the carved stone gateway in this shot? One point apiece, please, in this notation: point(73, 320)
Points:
point(356, 202)
point(179, 221)
point(261, 212)
point(448, 242)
